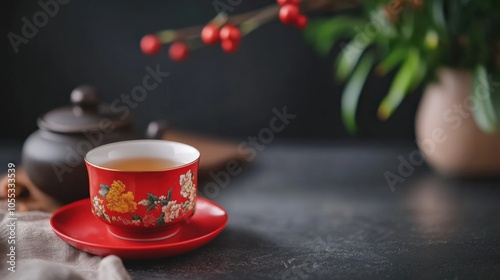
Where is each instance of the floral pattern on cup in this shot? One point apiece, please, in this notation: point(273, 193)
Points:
point(98, 208)
point(120, 201)
point(117, 199)
point(188, 188)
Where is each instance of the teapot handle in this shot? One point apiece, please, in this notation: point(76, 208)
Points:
point(156, 129)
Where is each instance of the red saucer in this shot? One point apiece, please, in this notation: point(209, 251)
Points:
point(75, 224)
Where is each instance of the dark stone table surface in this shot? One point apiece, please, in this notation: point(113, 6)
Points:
point(327, 211)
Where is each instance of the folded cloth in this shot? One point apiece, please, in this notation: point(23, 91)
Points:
point(40, 254)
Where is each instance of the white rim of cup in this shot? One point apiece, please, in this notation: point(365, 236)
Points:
point(113, 151)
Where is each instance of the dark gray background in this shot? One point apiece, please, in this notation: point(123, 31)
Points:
point(97, 42)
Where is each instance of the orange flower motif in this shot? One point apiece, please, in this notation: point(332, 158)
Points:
point(119, 201)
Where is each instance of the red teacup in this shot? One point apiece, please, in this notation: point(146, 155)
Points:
point(138, 199)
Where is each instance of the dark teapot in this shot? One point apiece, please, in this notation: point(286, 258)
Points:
point(53, 156)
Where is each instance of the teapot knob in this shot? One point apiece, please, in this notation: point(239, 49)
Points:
point(156, 129)
point(85, 97)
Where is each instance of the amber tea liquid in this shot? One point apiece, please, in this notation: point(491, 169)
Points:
point(141, 164)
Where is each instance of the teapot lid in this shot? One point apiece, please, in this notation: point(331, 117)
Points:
point(86, 114)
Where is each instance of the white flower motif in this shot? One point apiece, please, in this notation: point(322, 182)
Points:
point(171, 211)
point(162, 197)
point(188, 189)
point(192, 195)
point(97, 208)
point(149, 220)
point(188, 205)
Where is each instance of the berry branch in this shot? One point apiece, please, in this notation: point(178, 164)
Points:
point(229, 30)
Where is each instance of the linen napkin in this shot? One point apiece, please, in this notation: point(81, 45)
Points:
point(40, 254)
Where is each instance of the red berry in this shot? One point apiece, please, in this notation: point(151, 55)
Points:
point(301, 22)
point(284, 2)
point(150, 44)
point(289, 13)
point(230, 46)
point(178, 51)
point(210, 34)
point(230, 33)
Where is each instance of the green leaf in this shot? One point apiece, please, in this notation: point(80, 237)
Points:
point(484, 113)
point(384, 28)
point(151, 206)
point(104, 190)
point(152, 198)
point(160, 222)
point(454, 11)
point(438, 15)
point(135, 217)
point(419, 75)
point(164, 202)
point(352, 91)
point(106, 217)
point(350, 55)
point(400, 85)
point(323, 33)
point(408, 24)
point(169, 195)
point(391, 60)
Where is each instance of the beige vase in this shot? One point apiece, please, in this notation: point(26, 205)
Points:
point(447, 135)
